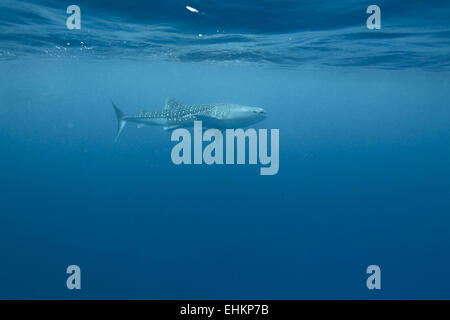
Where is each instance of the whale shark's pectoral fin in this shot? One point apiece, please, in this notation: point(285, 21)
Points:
point(172, 104)
point(206, 119)
point(167, 128)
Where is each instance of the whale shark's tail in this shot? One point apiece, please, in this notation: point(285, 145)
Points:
point(120, 121)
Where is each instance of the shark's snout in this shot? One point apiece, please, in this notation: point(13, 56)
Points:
point(260, 112)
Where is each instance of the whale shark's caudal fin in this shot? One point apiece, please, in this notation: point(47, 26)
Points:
point(120, 121)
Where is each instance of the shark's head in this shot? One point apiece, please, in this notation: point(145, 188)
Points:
point(242, 116)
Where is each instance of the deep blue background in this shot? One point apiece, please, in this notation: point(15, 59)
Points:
point(364, 159)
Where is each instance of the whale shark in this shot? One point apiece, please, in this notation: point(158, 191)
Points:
point(175, 115)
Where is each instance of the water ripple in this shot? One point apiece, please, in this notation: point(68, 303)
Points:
point(288, 32)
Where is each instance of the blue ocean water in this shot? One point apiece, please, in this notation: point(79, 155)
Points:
point(364, 120)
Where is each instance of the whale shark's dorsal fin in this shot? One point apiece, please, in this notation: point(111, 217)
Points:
point(172, 104)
